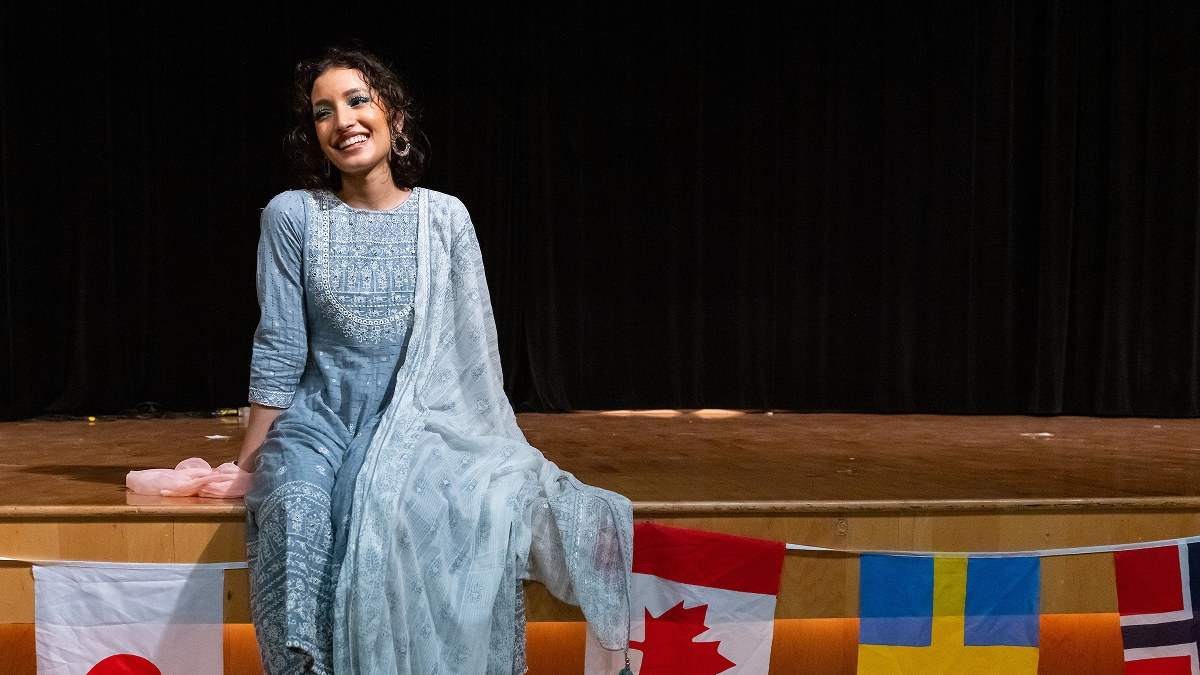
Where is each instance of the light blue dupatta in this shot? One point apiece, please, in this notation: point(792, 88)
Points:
point(452, 508)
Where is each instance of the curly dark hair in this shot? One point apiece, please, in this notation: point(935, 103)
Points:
point(312, 168)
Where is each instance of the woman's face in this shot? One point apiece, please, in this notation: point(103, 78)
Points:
point(351, 123)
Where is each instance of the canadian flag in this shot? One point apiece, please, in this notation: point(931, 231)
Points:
point(702, 604)
point(128, 619)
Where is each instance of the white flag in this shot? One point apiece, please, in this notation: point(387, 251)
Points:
point(142, 620)
point(702, 604)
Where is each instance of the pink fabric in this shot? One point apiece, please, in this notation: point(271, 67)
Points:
point(192, 477)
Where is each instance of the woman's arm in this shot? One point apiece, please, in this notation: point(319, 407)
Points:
point(223, 485)
point(259, 423)
point(281, 340)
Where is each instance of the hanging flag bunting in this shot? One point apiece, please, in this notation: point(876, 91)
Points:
point(928, 616)
point(1156, 593)
point(702, 604)
point(128, 620)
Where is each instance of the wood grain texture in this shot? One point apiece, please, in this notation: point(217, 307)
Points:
point(675, 462)
point(190, 539)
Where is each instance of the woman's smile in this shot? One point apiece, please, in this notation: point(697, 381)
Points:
point(354, 141)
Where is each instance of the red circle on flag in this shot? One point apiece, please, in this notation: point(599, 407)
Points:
point(124, 664)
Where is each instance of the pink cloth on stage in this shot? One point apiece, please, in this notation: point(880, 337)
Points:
point(192, 477)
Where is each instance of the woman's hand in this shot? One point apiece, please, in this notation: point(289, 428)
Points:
point(228, 482)
point(189, 478)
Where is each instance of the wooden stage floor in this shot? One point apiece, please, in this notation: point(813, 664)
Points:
point(672, 462)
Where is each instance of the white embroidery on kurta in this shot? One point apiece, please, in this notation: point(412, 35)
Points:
point(363, 265)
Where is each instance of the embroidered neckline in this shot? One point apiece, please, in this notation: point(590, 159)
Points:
point(337, 202)
point(373, 326)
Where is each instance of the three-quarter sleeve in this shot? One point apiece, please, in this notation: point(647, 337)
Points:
point(281, 340)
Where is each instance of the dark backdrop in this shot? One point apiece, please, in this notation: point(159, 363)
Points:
point(978, 207)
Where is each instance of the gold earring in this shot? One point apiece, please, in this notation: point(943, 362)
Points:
point(398, 151)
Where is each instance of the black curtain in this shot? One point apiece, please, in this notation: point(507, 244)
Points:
point(979, 207)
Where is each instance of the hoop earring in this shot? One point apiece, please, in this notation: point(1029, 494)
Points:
point(398, 151)
point(328, 168)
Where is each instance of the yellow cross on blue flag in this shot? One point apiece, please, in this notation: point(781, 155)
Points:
point(927, 616)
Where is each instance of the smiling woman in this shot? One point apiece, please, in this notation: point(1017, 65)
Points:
point(394, 506)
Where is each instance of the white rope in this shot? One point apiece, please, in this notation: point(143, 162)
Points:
point(1034, 553)
point(127, 565)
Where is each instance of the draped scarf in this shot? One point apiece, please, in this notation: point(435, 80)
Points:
point(451, 508)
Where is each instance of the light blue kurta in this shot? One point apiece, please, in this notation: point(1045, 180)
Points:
point(396, 505)
point(336, 287)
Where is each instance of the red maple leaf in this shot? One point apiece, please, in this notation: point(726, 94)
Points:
point(669, 650)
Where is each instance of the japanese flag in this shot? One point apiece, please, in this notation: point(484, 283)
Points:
point(128, 620)
point(702, 604)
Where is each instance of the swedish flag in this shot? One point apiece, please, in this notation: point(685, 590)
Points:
point(948, 615)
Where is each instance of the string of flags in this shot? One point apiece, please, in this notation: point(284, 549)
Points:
point(703, 604)
point(920, 613)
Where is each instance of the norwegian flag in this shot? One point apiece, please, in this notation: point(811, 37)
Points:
point(1157, 589)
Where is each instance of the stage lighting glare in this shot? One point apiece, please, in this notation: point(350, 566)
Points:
point(717, 413)
point(642, 413)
